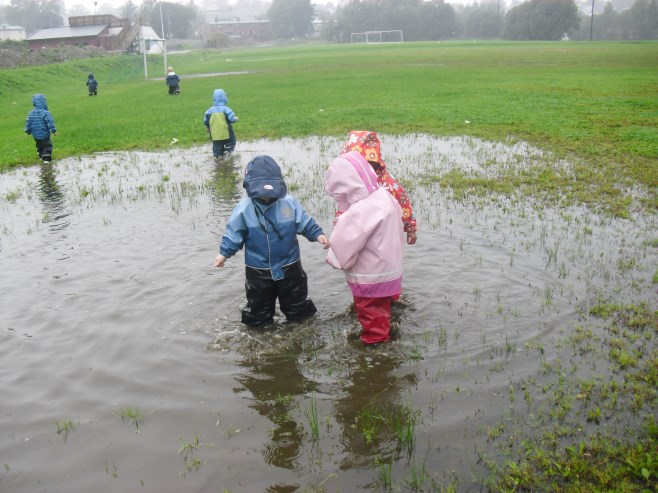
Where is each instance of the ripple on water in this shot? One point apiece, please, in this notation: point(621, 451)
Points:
point(109, 301)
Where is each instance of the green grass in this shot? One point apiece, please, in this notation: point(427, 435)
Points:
point(561, 457)
point(596, 101)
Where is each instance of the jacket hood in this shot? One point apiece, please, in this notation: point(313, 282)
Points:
point(350, 178)
point(366, 143)
point(263, 178)
point(219, 97)
point(39, 101)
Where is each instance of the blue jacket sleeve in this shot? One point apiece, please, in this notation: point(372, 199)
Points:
point(235, 235)
point(50, 122)
point(230, 115)
point(306, 225)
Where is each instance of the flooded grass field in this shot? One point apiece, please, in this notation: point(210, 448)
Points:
point(125, 366)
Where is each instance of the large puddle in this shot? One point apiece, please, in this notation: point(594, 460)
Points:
point(125, 366)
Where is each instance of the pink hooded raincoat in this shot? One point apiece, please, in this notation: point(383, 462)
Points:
point(368, 238)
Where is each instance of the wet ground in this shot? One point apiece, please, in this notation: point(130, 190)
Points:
point(125, 366)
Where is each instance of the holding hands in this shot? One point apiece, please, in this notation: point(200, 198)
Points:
point(324, 241)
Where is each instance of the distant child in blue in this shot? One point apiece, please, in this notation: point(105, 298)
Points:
point(266, 224)
point(219, 120)
point(173, 82)
point(40, 125)
point(92, 85)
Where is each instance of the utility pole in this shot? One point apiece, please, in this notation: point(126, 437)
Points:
point(591, 23)
point(161, 21)
point(164, 40)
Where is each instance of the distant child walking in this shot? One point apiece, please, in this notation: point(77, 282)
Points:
point(219, 120)
point(173, 82)
point(367, 242)
point(92, 85)
point(40, 125)
point(266, 223)
point(367, 144)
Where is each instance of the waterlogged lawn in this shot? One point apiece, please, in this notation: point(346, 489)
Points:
point(593, 103)
point(524, 356)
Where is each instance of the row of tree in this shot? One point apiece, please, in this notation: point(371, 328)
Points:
point(436, 20)
point(418, 19)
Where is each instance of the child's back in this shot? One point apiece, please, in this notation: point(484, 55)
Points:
point(367, 242)
point(266, 223)
point(92, 85)
point(219, 120)
point(40, 124)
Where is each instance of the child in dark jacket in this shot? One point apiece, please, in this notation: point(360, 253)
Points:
point(92, 85)
point(40, 125)
point(173, 82)
point(219, 120)
point(267, 223)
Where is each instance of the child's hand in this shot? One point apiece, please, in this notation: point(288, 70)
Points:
point(411, 238)
point(324, 241)
point(219, 261)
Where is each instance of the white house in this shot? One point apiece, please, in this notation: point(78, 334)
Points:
point(16, 33)
point(153, 43)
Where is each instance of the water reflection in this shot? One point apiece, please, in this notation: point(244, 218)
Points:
point(52, 197)
point(274, 379)
point(370, 410)
point(226, 183)
point(487, 311)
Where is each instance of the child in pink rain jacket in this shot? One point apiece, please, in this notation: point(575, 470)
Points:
point(366, 143)
point(367, 242)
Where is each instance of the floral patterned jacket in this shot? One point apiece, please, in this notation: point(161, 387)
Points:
point(367, 144)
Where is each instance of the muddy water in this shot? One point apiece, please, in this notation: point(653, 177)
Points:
point(113, 320)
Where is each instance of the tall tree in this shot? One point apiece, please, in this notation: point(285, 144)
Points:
point(542, 19)
point(34, 14)
point(482, 20)
point(129, 11)
point(644, 14)
point(176, 19)
point(417, 19)
point(291, 18)
point(436, 20)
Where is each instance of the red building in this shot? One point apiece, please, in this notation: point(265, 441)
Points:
point(238, 31)
point(104, 31)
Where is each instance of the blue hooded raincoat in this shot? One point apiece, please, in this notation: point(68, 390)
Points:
point(267, 231)
point(219, 117)
point(40, 123)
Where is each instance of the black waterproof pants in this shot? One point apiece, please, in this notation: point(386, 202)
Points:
point(263, 291)
point(44, 148)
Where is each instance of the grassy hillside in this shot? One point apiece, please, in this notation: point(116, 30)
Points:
point(595, 101)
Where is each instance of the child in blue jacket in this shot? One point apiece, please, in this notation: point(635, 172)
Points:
point(40, 125)
point(219, 120)
point(92, 85)
point(267, 223)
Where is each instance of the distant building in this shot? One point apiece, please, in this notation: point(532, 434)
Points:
point(238, 31)
point(153, 44)
point(104, 31)
point(16, 33)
